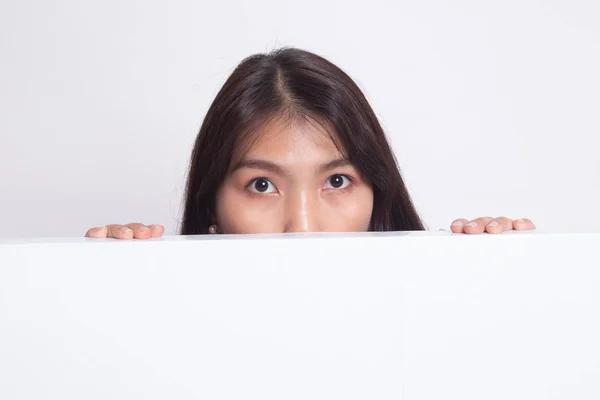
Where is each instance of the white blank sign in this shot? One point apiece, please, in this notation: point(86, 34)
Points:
point(362, 316)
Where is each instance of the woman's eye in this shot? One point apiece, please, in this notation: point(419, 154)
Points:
point(261, 185)
point(337, 181)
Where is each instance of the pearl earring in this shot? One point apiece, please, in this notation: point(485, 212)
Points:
point(212, 229)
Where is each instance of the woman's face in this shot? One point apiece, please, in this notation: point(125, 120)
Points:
point(293, 179)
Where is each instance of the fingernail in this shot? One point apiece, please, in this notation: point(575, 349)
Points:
point(125, 229)
point(155, 226)
point(457, 223)
point(472, 224)
point(144, 229)
point(494, 224)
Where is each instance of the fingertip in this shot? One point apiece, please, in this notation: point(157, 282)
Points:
point(142, 232)
point(523, 224)
point(474, 228)
point(494, 229)
point(97, 233)
point(458, 225)
point(125, 233)
point(157, 230)
point(456, 228)
point(528, 222)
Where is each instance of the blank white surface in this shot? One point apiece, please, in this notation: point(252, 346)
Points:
point(386, 316)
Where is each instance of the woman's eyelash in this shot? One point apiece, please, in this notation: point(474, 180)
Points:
point(338, 182)
point(261, 185)
point(258, 178)
point(351, 179)
point(265, 185)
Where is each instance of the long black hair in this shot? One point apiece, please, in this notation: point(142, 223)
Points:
point(265, 85)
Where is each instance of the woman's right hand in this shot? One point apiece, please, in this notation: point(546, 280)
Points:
point(129, 231)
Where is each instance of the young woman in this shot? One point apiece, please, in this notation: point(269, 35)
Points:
point(290, 144)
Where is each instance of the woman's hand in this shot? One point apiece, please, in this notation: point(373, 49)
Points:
point(129, 231)
point(479, 225)
point(491, 225)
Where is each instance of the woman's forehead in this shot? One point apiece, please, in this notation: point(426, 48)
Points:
point(291, 140)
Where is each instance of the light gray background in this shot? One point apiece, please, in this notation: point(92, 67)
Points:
point(492, 106)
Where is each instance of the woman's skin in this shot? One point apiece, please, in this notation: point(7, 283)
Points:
point(294, 179)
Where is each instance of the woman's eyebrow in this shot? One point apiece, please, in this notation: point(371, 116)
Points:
point(258, 164)
point(340, 162)
point(255, 163)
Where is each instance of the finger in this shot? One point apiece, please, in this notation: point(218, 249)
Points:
point(499, 225)
point(119, 232)
point(140, 231)
point(477, 225)
point(98, 233)
point(523, 224)
point(458, 225)
point(157, 230)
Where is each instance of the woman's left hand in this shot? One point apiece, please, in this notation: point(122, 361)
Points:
point(491, 225)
